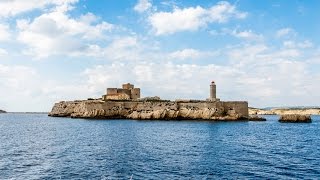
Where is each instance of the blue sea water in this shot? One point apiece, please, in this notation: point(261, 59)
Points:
point(34, 146)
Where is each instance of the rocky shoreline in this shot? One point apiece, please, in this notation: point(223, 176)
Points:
point(284, 111)
point(153, 110)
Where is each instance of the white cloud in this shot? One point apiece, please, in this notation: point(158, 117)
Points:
point(56, 33)
point(4, 32)
point(293, 44)
point(14, 76)
point(167, 80)
point(142, 6)
point(260, 74)
point(191, 54)
point(17, 85)
point(284, 32)
point(3, 52)
point(247, 35)
point(25, 89)
point(272, 76)
point(193, 18)
point(14, 7)
point(124, 48)
point(239, 55)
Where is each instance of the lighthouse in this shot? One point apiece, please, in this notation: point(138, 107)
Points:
point(213, 91)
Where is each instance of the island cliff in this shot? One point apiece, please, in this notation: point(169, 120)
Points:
point(166, 110)
point(125, 103)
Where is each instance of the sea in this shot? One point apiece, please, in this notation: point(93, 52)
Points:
point(35, 146)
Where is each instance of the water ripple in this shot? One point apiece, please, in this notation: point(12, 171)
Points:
point(34, 146)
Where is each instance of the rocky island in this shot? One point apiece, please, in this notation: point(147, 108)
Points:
point(295, 118)
point(125, 103)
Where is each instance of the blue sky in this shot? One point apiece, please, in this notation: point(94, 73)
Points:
point(265, 52)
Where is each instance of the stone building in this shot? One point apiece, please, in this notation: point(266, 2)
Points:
point(127, 92)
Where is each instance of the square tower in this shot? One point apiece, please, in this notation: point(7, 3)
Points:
point(127, 86)
point(135, 93)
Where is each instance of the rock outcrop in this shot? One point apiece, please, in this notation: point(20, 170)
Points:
point(283, 111)
point(152, 110)
point(295, 118)
point(256, 118)
point(2, 111)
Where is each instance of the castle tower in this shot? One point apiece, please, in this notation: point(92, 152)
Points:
point(135, 93)
point(127, 86)
point(213, 91)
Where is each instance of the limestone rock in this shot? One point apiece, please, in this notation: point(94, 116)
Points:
point(152, 110)
point(295, 118)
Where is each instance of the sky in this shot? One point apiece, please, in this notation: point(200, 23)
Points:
point(264, 52)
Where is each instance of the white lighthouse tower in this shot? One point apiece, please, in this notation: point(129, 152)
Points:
point(213, 92)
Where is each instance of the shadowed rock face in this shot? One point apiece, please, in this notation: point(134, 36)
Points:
point(2, 111)
point(295, 118)
point(152, 110)
point(256, 118)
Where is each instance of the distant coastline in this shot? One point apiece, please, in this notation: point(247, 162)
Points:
point(285, 110)
point(2, 111)
point(28, 112)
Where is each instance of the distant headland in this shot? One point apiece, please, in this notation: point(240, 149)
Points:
point(2, 111)
point(126, 103)
point(285, 111)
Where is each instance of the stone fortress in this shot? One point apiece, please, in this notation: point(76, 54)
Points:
point(126, 103)
point(127, 92)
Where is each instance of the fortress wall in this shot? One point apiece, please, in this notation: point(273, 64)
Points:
point(118, 97)
point(212, 106)
point(200, 105)
point(240, 107)
point(124, 91)
point(111, 91)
